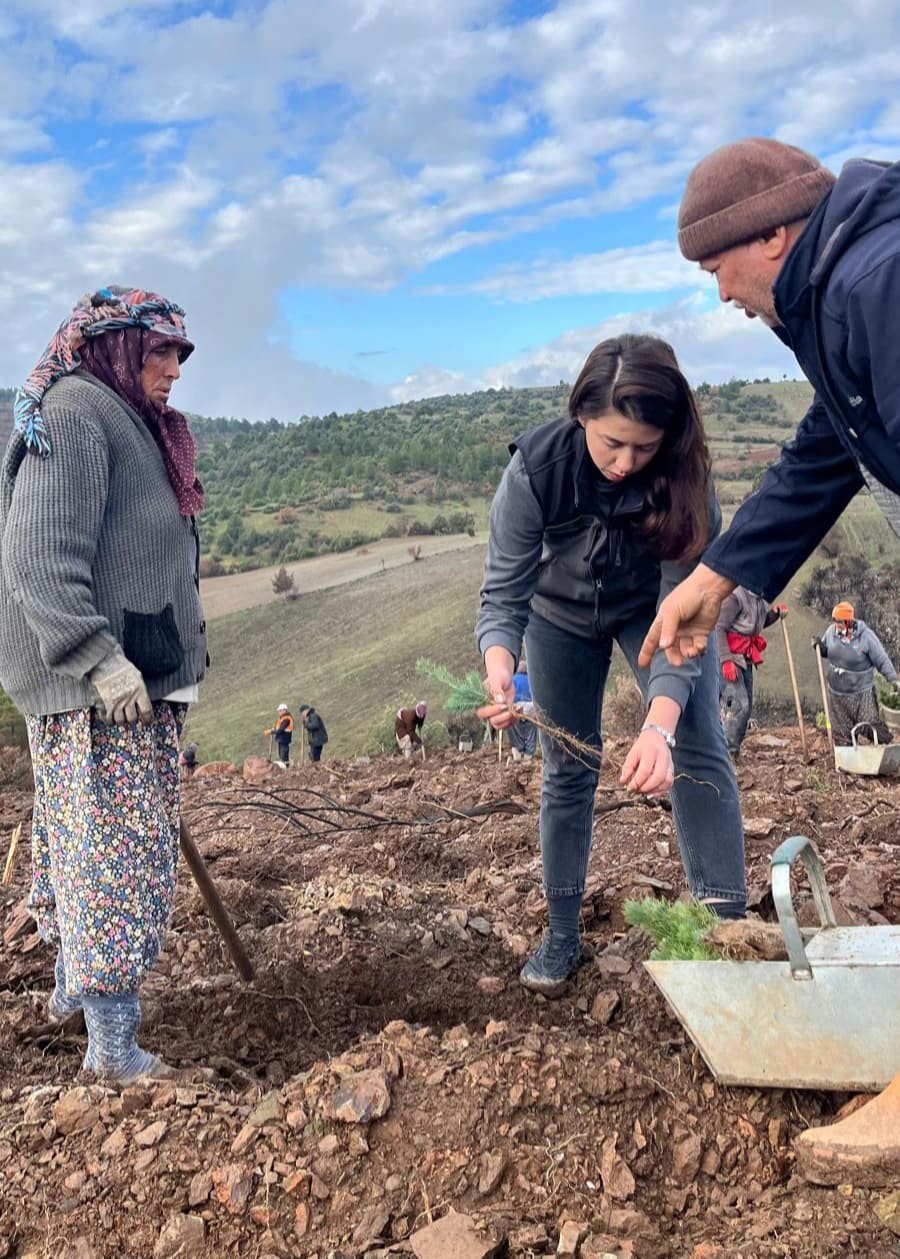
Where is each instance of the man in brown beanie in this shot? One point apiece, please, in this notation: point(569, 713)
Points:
point(818, 259)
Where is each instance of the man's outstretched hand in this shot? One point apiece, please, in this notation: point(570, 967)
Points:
point(687, 617)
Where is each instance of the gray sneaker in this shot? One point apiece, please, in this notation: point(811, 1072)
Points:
point(548, 970)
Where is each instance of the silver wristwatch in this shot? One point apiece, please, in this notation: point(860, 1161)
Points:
point(669, 738)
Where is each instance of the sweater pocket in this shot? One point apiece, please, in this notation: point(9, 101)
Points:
point(151, 641)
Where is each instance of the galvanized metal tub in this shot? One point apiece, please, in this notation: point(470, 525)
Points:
point(828, 1018)
point(879, 758)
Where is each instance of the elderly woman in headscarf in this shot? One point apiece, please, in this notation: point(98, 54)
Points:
point(102, 645)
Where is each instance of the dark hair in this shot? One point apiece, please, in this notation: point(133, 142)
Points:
point(639, 376)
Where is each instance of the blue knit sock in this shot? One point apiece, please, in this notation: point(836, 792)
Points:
point(113, 1053)
point(565, 916)
point(62, 1003)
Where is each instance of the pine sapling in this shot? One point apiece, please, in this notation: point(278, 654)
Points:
point(466, 694)
point(676, 929)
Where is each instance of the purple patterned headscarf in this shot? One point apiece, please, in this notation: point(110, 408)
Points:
point(109, 334)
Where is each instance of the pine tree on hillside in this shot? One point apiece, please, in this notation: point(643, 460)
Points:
point(283, 583)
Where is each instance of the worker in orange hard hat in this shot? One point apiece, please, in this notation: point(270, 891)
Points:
point(283, 731)
point(852, 652)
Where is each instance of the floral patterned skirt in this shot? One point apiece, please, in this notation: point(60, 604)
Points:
point(858, 708)
point(105, 842)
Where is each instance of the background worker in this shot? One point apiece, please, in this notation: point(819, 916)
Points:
point(315, 731)
point(852, 652)
point(408, 724)
point(187, 761)
point(283, 730)
point(740, 643)
point(523, 735)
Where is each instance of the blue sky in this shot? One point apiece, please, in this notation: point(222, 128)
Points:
point(373, 200)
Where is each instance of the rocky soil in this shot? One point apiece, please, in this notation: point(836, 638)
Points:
point(385, 1086)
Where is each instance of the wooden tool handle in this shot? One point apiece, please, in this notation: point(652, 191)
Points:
point(215, 905)
point(794, 687)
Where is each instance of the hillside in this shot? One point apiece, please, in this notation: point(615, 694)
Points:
point(351, 650)
point(279, 493)
point(283, 492)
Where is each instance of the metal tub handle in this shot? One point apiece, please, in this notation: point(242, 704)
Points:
point(782, 859)
point(862, 725)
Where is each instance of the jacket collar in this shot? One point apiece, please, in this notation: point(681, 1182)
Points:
point(865, 196)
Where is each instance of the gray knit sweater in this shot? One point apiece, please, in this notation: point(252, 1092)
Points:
point(851, 662)
point(93, 552)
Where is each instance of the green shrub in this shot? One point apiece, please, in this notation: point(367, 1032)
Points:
point(888, 697)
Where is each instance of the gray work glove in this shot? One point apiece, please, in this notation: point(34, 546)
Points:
point(123, 695)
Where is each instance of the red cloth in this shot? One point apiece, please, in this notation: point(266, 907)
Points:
point(750, 646)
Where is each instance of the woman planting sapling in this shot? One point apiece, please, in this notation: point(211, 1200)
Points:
point(596, 518)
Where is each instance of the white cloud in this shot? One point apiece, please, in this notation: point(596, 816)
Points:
point(352, 145)
point(654, 268)
point(432, 382)
point(712, 344)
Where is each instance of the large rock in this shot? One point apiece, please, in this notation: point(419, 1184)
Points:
point(454, 1237)
point(199, 1189)
point(687, 1154)
point(571, 1234)
point(492, 1167)
point(862, 1149)
point(371, 1227)
point(151, 1135)
point(614, 1171)
point(269, 1110)
point(860, 888)
point(759, 827)
point(233, 1184)
point(605, 1004)
point(182, 1235)
point(888, 1211)
point(76, 1111)
point(361, 1097)
point(213, 769)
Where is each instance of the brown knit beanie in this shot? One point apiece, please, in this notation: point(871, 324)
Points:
point(745, 189)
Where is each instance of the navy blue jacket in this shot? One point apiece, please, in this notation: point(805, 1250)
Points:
point(838, 298)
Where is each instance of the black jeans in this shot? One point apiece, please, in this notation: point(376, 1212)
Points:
point(736, 702)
